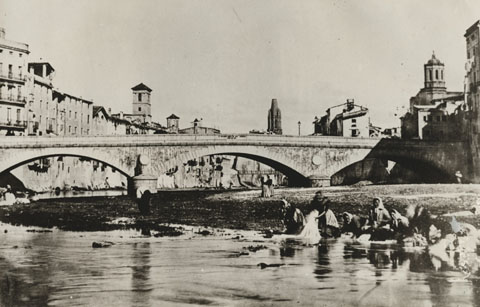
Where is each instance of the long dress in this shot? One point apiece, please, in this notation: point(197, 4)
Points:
point(310, 232)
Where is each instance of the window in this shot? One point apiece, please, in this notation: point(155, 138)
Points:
point(18, 115)
point(75, 130)
point(444, 118)
point(88, 119)
point(139, 108)
point(436, 74)
point(20, 55)
point(438, 118)
point(354, 120)
point(11, 52)
point(75, 115)
point(139, 97)
point(69, 129)
point(70, 114)
point(425, 118)
point(441, 72)
point(430, 75)
point(429, 118)
point(9, 114)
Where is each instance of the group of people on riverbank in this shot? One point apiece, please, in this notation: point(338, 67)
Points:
point(414, 228)
point(8, 197)
point(319, 222)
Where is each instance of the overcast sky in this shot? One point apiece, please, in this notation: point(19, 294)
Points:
point(224, 60)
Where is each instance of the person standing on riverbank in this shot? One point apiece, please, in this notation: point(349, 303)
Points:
point(269, 184)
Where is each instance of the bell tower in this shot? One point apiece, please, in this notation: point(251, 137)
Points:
point(141, 102)
point(434, 76)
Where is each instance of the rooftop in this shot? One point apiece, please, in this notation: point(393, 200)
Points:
point(434, 60)
point(141, 87)
point(472, 28)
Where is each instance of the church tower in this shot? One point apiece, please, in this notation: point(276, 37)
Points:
point(274, 118)
point(141, 102)
point(434, 77)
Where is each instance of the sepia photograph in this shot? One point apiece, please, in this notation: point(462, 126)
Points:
point(239, 153)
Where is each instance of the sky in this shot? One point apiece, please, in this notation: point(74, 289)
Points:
point(224, 60)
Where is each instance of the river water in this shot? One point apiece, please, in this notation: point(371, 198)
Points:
point(61, 268)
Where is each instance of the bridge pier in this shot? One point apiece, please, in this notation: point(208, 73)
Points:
point(142, 186)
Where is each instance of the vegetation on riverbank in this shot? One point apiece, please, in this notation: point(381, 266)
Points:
point(232, 209)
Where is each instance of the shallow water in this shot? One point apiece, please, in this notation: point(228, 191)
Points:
point(62, 269)
point(73, 193)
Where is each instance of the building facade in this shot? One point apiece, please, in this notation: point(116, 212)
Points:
point(274, 118)
point(13, 71)
point(52, 112)
point(472, 92)
point(347, 120)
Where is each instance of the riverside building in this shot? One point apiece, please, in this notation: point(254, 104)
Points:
point(346, 119)
point(13, 70)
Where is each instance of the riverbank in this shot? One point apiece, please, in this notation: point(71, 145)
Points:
point(244, 210)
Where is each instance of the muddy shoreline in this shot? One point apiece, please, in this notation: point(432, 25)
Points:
point(243, 210)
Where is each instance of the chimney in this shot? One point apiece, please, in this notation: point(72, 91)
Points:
point(121, 115)
point(109, 110)
point(2, 33)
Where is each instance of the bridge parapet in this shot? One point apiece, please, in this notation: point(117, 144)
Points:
point(185, 139)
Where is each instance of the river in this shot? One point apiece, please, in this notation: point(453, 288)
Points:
point(60, 268)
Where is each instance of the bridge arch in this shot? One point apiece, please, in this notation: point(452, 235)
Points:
point(29, 156)
point(265, 155)
point(376, 168)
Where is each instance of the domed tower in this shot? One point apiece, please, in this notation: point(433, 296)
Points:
point(434, 77)
point(274, 118)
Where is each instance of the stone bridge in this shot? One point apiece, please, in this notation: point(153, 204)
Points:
point(305, 160)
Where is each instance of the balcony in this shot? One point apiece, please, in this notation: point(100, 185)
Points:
point(10, 76)
point(12, 99)
point(13, 124)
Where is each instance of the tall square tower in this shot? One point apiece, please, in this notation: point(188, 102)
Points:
point(141, 102)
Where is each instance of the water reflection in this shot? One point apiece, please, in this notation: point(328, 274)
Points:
point(323, 268)
point(141, 284)
point(61, 268)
